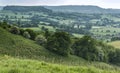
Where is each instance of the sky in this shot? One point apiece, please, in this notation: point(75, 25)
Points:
point(101, 3)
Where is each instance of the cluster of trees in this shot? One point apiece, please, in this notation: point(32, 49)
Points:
point(62, 43)
point(27, 33)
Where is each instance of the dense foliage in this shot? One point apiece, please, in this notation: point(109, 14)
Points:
point(86, 47)
point(59, 43)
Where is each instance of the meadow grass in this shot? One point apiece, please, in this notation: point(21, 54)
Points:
point(13, 65)
point(116, 44)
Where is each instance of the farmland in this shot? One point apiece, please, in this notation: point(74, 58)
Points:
point(108, 23)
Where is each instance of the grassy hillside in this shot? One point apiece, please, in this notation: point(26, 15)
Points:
point(12, 65)
point(116, 44)
point(32, 58)
point(17, 46)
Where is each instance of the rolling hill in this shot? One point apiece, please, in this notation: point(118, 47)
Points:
point(26, 8)
point(82, 9)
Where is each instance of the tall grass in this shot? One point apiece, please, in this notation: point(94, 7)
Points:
point(12, 65)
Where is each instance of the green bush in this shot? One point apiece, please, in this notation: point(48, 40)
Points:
point(26, 35)
point(32, 33)
point(15, 30)
point(41, 40)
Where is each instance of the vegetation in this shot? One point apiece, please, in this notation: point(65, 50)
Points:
point(59, 43)
point(12, 65)
point(48, 36)
point(41, 40)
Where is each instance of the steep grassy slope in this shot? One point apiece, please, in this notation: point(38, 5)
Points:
point(12, 65)
point(17, 46)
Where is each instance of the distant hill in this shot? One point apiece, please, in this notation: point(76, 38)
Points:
point(82, 9)
point(26, 8)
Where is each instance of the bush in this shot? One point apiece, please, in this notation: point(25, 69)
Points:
point(41, 40)
point(32, 33)
point(21, 31)
point(114, 56)
point(26, 35)
point(15, 30)
point(59, 43)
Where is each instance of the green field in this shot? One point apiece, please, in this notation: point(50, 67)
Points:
point(116, 44)
point(50, 28)
point(103, 30)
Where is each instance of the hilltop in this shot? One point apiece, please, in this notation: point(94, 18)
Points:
point(82, 9)
point(26, 8)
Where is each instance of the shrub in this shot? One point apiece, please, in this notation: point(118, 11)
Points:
point(41, 40)
point(15, 30)
point(26, 35)
point(32, 33)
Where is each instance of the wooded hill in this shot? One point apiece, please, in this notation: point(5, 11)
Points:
point(82, 9)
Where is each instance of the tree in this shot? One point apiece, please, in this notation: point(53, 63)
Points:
point(59, 43)
point(32, 33)
point(26, 35)
point(41, 40)
point(21, 31)
point(86, 48)
point(114, 56)
point(47, 34)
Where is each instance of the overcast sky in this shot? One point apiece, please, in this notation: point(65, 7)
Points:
point(101, 3)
